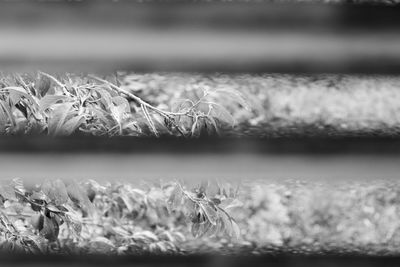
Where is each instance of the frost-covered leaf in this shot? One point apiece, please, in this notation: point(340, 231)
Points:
point(7, 190)
point(129, 203)
point(49, 100)
point(179, 105)
point(235, 229)
point(230, 203)
point(55, 191)
point(212, 126)
point(37, 221)
point(43, 85)
point(188, 206)
point(175, 199)
point(121, 231)
point(229, 226)
point(210, 212)
point(234, 95)
point(79, 196)
point(220, 112)
point(122, 103)
point(38, 243)
point(19, 248)
point(18, 185)
point(8, 111)
point(201, 229)
point(38, 196)
point(195, 229)
point(74, 224)
point(58, 117)
point(203, 186)
point(225, 224)
point(71, 125)
point(145, 236)
point(101, 245)
point(103, 116)
point(118, 112)
point(50, 229)
point(104, 97)
point(16, 93)
point(215, 200)
point(55, 209)
point(213, 188)
point(96, 186)
point(7, 246)
point(3, 119)
point(14, 207)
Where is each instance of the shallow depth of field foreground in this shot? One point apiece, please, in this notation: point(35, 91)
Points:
point(194, 105)
point(212, 217)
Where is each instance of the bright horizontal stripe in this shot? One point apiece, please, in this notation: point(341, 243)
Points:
point(240, 166)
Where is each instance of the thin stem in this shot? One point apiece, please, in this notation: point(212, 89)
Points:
point(166, 114)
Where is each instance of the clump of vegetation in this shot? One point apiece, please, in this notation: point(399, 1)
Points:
point(68, 104)
point(67, 217)
point(170, 217)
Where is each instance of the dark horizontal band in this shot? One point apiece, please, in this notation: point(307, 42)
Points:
point(205, 37)
point(203, 260)
point(132, 145)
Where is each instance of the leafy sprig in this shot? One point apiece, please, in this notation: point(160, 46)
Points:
point(43, 104)
point(116, 218)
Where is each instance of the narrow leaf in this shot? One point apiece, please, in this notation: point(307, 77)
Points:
point(56, 191)
point(235, 95)
point(58, 116)
point(220, 112)
point(79, 196)
point(43, 85)
point(235, 229)
point(175, 199)
point(211, 213)
point(50, 229)
point(71, 125)
point(3, 120)
point(48, 100)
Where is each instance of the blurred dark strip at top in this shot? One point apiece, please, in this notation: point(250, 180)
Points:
point(208, 14)
point(105, 145)
point(199, 36)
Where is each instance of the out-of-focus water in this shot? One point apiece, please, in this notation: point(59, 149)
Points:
point(237, 166)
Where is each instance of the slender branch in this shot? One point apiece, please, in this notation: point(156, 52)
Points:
point(134, 97)
point(14, 214)
point(149, 120)
point(166, 114)
point(8, 224)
